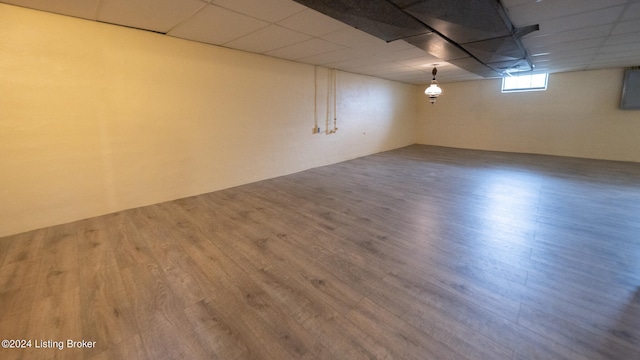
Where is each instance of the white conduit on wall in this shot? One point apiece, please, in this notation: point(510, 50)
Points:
point(331, 105)
point(316, 129)
point(335, 97)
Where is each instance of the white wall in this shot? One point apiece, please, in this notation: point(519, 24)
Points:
point(577, 116)
point(96, 118)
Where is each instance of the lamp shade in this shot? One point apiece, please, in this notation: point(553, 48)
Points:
point(433, 90)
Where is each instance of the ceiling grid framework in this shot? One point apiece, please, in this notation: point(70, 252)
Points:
point(573, 35)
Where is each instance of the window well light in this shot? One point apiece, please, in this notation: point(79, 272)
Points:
point(524, 82)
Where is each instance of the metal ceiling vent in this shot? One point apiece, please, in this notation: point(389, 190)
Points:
point(475, 35)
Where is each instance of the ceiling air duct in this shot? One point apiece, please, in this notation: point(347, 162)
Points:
point(475, 35)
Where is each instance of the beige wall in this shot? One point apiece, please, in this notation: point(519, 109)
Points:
point(96, 118)
point(577, 116)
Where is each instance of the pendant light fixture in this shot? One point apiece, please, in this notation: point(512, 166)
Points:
point(433, 91)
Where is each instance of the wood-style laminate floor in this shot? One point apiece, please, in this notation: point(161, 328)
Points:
point(417, 253)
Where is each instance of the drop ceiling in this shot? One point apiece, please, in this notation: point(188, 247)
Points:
point(573, 35)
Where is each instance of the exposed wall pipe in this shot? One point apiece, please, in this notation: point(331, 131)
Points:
point(331, 102)
point(332, 93)
point(316, 129)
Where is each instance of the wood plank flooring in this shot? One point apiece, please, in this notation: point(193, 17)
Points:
point(418, 253)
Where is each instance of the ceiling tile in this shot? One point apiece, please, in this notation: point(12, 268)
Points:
point(626, 27)
point(631, 58)
point(405, 70)
point(423, 61)
point(216, 25)
point(533, 12)
point(387, 48)
point(632, 12)
point(573, 55)
point(408, 78)
point(353, 38)
point(403, 54)
point(584, 20)
point(630, 39)
point(449, 73)
point(383, 68)
point(355, 65)
point(85, 9)
point(267, 39)
point(567, 46)
point(334, 57)
point(305, 49)
point(542, 38)
point(271, 10)
point(312, 23)
point(625, 48)
point(155, 15)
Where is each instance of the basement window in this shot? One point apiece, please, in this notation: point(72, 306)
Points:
point(532, 82)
